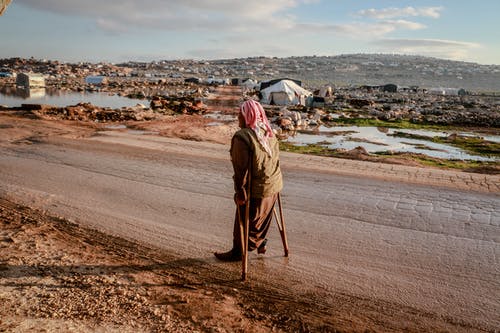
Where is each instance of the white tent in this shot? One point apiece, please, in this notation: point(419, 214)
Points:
point(447, 91)
point(249, 84)
point(285, 92)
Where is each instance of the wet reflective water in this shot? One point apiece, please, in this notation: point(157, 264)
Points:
point(14, 97)
point(219, 116)
point(375, 139)
point(128, 130)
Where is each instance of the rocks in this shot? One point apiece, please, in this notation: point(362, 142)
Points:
point(89, 112)
point(290, 120)
point(177, 105)
point(356, 152)
point(359, 103)
point(286, 123)
point(417, 107)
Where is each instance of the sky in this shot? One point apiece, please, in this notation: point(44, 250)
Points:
point(146, 30)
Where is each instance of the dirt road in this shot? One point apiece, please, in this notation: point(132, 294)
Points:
point(367, 253)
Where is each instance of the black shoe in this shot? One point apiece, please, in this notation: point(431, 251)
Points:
point(228, 256)
point(262, 248)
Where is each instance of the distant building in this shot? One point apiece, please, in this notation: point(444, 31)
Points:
point(36, 92)
point(392, 88)
point(448, 91)
point(30, 80)
point(192, 80)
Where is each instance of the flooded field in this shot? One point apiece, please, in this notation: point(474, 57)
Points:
point(376, 139)
point(15, 97)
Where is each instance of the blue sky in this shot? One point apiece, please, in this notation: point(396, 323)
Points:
point(144, 30)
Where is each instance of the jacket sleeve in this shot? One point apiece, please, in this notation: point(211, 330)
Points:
point(240, 158)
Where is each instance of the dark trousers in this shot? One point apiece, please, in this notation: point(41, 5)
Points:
point(261, 215)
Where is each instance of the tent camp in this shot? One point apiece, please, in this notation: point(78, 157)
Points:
point(285, 92)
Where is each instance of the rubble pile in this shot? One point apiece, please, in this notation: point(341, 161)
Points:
point(475, 117)
point(466, 111)
point(186, 105)
point(89, 112)
point(295, 118)
point(159, 107)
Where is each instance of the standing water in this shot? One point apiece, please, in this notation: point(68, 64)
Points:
point(375, 139)
point(13, 97)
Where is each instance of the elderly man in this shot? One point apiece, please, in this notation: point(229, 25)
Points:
point(254, 152)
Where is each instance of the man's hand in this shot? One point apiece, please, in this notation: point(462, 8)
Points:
point(240, 198)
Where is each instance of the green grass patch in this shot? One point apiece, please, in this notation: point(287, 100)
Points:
point(473, 145)
point(313, 149)
point(401, 124)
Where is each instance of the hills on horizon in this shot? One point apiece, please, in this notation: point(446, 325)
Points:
point(358, 69)
point(341, 70)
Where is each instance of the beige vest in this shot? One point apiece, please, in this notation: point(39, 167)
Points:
point(266, 172)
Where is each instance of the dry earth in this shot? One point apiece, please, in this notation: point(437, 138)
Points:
point(56, 276)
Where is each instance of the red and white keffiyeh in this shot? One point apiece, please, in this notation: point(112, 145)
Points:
point(256, 120)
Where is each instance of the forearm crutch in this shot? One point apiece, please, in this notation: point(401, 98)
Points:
point(281, 224)
point(245, 232)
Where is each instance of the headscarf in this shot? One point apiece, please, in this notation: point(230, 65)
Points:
point(256, 120)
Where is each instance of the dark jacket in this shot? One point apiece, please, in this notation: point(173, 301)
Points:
point(266, 178)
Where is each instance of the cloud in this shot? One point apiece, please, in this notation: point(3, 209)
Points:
point(388, 13)
point(239, 15)
point(403, 24)
point(361, 29)
point(219, 53)
point(242, 17)
point(455, 50)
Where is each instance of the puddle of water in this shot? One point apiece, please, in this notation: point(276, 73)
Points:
point(118, 126)
point(219, 116)
point(374, 139)
point(141, 132)
point(130, 131)
point(13, 97)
